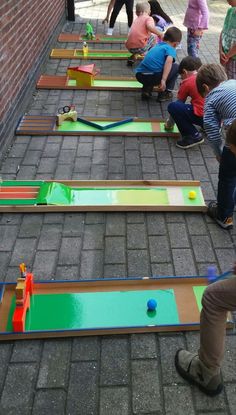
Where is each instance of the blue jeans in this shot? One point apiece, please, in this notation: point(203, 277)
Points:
point(184, 118)
point(226, 184)
point(193, 42)
point(154, 79)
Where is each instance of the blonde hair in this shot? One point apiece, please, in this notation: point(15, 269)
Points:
point(143, 7)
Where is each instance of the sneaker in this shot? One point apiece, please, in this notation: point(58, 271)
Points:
point(192, 369)
point(169, 124)
point(130, 61)
point(164, 96)
point(188, 142)
point(227, 223)
point(145, 96)
point(109, 31)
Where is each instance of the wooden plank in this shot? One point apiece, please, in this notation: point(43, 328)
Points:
point(99, 38)
point(100, 54)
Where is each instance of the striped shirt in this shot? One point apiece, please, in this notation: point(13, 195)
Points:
point(220, 107)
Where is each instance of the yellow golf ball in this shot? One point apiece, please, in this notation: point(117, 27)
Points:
point(192, 194)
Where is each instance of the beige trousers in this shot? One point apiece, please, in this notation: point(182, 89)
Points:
point(218, 299)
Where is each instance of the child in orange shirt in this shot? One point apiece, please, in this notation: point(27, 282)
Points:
point(143, 33)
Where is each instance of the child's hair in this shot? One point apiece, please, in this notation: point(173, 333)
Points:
point(173, 34)
point(189, 63)
point(211, 75)
point(142, 8)
point(231, 134)
point(156, 9)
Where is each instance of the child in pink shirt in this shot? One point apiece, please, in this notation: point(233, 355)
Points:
point(143, 33)
point(196, 20)
point(186, 116)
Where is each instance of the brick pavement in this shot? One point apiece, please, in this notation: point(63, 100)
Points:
point(111, 375)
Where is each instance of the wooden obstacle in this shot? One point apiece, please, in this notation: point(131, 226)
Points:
point(46, 125)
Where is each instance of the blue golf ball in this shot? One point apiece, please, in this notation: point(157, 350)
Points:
point(151, 304)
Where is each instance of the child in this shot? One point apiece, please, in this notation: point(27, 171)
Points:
point(220, 108)
point(203, 368)
point(159, 67)
point(129, 4)
point(187, 115)
point(161, 19)
point(227, 43)
point(196, 20)
point(142, 35)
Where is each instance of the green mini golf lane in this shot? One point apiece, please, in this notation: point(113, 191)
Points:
point(80, 126)
point(98, 310)
point(198, 292)
point(110, 83)
point(95, 54)
point(192, 202)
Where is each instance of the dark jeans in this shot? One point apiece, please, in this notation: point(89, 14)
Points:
point(149, 81)
point(226, 184)
point(184, 117)
point(129, 4)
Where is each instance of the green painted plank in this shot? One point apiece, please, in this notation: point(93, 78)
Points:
point(110, 83)
point(192, 202)
point(198, 292)
point(130, 127)
point(17, 202)
point(21, 183)
point(94, 54)
point(99, 310)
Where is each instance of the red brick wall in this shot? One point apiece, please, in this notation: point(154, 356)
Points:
point(25, 27)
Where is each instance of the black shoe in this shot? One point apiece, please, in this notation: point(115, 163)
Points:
point(130, 61)
point(164, 96)
point(188, 142)
point(145, 96)
point(227, 223)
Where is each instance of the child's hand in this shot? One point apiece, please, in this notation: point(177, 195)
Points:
point(162, 85)
point(223, 58)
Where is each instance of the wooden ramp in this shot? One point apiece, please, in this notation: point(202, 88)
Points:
point(110, 83)
point(108, 306)
point(74, 37)
point(92, 54)
point(46, 125)
point(101, 195)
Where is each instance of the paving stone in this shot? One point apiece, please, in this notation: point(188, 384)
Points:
point(8, 237)
point(230, 393)
point(31, 225)
point(50, 237)
point(18, 150)
point(74, 224)
point(49, 402)
point(23, 251)
point(149, 165)
point(167, 172)
point(26, 351)
point(32, 157)
point(4, 261)
point(196, 224)
point(136, 236)
point(143, 346)
point(115, 271)
point(93, 236)
point(53, 217)
point(68, 272)
point(115, 224)
point(162, 269)
point(183, 262)
point(114, 361)
point(63, 172)
point(70, 251)
point(205, 403)
point(114, 250)
point(138, 263)
point(17, 395)
point(114, 401)
point(85, 349)
point(229, 363)
point(94, 217)
point(135, 217)
point(51, 374)
point(83, 390)
point(28, 172)
point(47, 165)
point(51, 150)
point(5, 353)
point(178, 235)
point(91, 264)
point(169, 344)
point(202, 248)
point(159, 248)
point(177, 398)
point(156, 224)
point(45, 264)
point(146, 396)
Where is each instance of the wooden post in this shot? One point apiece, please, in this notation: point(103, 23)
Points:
point(71, 10)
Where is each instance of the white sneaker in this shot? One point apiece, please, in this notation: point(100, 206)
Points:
point(109, 31)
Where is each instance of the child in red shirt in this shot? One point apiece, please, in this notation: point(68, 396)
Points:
point(143, 33)
point(186, 116)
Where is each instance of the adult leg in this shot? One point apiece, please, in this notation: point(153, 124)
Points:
point(116, 10)
point(185, 118)
point(129, 5)
point(226, 184)
point(203, 368)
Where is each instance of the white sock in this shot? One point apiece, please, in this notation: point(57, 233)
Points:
point(109, 31)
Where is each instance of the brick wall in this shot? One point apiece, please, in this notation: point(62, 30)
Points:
point(25, 28)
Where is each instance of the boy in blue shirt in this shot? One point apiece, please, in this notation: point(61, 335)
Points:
point(158, 68)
